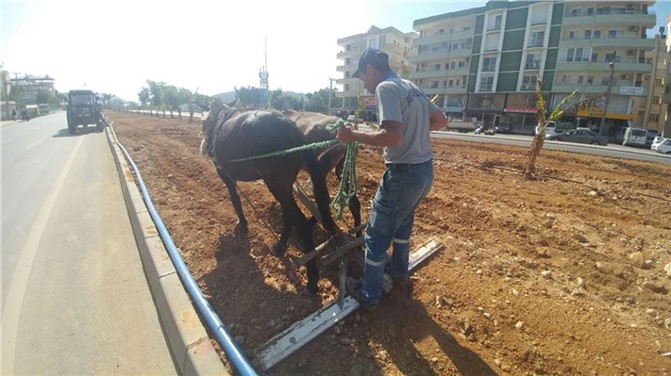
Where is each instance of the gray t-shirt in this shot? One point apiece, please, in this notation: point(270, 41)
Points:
point(402, 101)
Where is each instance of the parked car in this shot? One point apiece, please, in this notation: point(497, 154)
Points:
point(580, 135)
point(554, 127)
point(663, 146)
point(652, 135)
point(635, 137)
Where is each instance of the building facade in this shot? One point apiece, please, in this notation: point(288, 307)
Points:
point(568, 45)
point(30, 87)
point(395, 43)
point(485, 62)
point(652, 111)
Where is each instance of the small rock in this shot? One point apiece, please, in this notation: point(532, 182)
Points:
point(651, 311)
point(581, 282)
point(593, 193)
point(667, 269)
point(581, 238)
point(487, 315)
point(383, 355)
point(637, 259)
point(546, 274)
point(515, 292)
point(519, 325)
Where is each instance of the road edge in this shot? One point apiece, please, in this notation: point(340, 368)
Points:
point(186, 337)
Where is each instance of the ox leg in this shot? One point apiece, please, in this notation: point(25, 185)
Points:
point(241, 227)
point(293, 217)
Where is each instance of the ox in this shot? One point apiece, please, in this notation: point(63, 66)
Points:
point(313, 125)
point(231, 134)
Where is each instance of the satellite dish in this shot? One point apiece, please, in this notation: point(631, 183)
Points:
point(263, 75)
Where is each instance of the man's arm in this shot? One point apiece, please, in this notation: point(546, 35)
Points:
point(389, 134)
point(438, 121)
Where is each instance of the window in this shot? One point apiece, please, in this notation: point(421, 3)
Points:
point(451, 83)
point(578, 54)
point(653, 118)
point(590, 80)
point(489, 64)
point(588, 34)
point(595, 57)
point(497, 22)
point(529, 83)
point(453, 65)
point(445, 83)
point(434, 84)
point(346, 87)
point(457, 82)
point(606, 79)
point(615, 34)
point(590, 11)
point(486, 83)
point(462, 64)
point(536, 39)
point(436, 67)
point(659, 83)
point(533, 61)
point(580, 80)
point(656, 100)
point(447, 66)
point(572, 34)
point(597, 34)
point(565, 79)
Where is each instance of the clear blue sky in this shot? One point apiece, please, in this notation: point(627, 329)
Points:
point(115, 46)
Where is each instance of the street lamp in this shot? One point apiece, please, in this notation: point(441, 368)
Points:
point(611, 65)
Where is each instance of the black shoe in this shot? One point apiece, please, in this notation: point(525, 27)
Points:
point(354, 288)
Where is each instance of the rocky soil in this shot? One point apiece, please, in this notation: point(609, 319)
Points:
point(567, 274)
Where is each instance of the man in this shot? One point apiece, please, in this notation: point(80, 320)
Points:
point(406, 116)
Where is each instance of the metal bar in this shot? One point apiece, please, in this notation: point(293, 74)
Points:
point(306, 201)
point(302, 332)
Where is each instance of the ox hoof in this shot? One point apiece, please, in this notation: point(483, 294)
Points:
point(279, 249)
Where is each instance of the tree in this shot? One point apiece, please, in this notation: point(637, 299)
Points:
point(144, 96)
point(157, 95)
point(172, 99)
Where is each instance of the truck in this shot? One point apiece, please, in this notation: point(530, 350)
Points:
point(83, 109)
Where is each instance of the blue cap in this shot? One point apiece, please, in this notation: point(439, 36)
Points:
point(374, 57)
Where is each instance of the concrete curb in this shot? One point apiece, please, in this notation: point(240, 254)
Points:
point(189, 344)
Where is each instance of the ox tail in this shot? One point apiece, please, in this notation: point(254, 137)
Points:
point(321, 194)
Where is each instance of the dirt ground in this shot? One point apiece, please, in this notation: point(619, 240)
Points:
point(562, 275)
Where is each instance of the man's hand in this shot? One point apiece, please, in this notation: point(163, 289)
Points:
point(345, 135)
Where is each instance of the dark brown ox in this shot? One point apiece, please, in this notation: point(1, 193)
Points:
point(232, 134)
point(313, 125)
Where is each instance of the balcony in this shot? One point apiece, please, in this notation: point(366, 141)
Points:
point(439, 55)
point(440, 74)
point(533, 65)
point(429, 74)
point(589, 89)
point(446, 37)
point(630, 18)
point(347, 67)
point(428, 90)
point(535, 44)
point(588, 66)
point(631, 43)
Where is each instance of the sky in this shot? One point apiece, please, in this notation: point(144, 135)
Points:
point(116, 46)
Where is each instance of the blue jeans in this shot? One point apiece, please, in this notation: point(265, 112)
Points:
point(391, 219)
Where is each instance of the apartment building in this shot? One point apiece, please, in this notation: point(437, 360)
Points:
point(30, 86)
point(652, 111)
point(395, 43)
point(569, 45)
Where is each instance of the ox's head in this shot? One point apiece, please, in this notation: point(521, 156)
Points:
point(214, 116)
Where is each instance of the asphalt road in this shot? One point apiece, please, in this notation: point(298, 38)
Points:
point(75, 298)
point(612, 150)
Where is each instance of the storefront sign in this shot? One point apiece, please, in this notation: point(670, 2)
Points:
point(631, 90)
point(526, 110)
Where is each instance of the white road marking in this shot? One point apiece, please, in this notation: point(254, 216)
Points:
point(17, 288)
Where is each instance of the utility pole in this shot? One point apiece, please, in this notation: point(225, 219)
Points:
point(331, 79)
point(602, 127)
